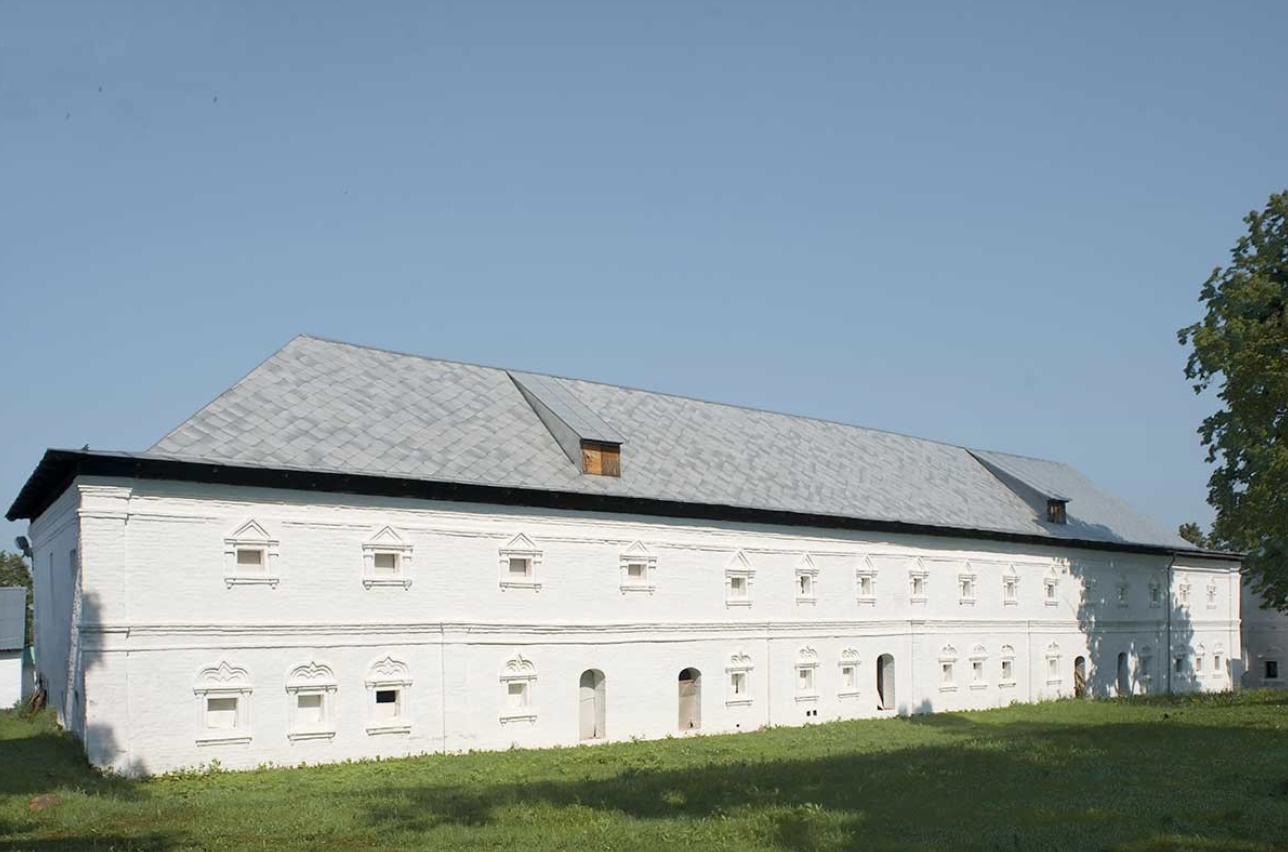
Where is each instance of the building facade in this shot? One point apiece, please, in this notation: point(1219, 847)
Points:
point(202, 601)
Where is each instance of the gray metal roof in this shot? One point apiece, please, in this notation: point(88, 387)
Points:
point(337, 407)
point(13, 618)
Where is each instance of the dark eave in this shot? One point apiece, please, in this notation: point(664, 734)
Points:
point(58, 469)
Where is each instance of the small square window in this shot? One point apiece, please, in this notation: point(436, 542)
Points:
point(635, 572)
point(516, 694)
point(847, 677)
point(805, 681)
point(388, 704)
point(250, 559)
point(385, 564)
point(221, 714)
point(520, 567)
point(865, 586)
point(738, 587)
point(308, 710)
point(1272, 669)
point(738, 683)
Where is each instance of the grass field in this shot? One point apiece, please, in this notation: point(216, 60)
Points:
point(1143, 774)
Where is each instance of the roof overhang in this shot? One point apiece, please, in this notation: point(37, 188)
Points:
point(59, 468)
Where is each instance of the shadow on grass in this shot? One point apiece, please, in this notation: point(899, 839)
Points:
point(1014, 785)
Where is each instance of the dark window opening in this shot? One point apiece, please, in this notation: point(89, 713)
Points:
point(1055, 511)
point(386, 696)
point(1272, 670)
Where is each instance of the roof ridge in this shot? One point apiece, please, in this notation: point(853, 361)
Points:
point(740, 406)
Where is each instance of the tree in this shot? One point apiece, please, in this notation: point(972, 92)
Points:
point(1194, 534)
point(14, 572)
point(1240, 348)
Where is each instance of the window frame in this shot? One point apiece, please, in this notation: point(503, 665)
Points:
point(637, 554)
point(1053, 674)
point(739, 567)
point(1006, 657)
point(251, 535)
point(806, 570)
point(1011, 583)
point(382, 675)
point(978, 666)
point(740, 664)
point(806, 662)
point(518, 669)
point(849, 659)
point(520, 547)
point(386, 541)
point(915, 573)
point(967, 586)
point(312, 678)
point(948, 669)
point(223, 681)
point(1051, 588)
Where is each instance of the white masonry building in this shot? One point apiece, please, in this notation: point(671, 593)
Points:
point(355, 553)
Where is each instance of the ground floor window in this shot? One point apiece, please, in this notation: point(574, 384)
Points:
point(387, 683)
point(223, 704)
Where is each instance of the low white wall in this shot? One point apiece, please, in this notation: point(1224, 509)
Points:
point(10, 678)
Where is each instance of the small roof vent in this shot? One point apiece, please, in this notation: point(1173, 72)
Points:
point(1055, 511)
point(589, 442)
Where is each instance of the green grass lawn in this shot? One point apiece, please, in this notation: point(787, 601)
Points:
point(1143, 774)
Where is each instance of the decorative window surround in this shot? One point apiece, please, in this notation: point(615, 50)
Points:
point(947, 669)
point(1089, 597)
point(222, 684)
point(1010, 586)
point(1155, 593)
point(1218, 660)
point(849, 683)
point(865, 581)
point(918, 577)
point(739, 671)
point(316, 684)
point(520, 549)
point(1008, 667)
point(384, 676)
point(1053, 664)
point(1211, 594)
point(739, 575)
point(1145, 665)
point(637, 567)
point(250, 538)
point(380, 547)
point(967, 583)
point(978, 657)
point(1200, 654)
point(1183, 593)
point(1124, 592)
point(1051, 587)
point(807, 674)
point(518, 688)
point(806, 580)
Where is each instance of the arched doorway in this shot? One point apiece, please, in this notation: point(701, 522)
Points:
point(1079, 677)
point(1124, 681)
point(591, 693)
point(885, 682)
point(690, 695)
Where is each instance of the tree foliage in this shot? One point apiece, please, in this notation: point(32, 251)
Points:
point(1194, 534)
point(14, 572)
point(1240, 349)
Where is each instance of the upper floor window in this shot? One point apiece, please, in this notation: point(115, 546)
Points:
point(806, 581)
point(1010, 586)
point(520, 564)
point(387, 683)
point(386, 560)
point(223, 704)
point(1124, 592)
point(1155, 593)
point(250, 556)
point(865, 581)
point(1051, 587)
point(918, 576)
point(1211, 594)
point(738, 576)
point(739, 671)
point(637, 569)
point(1183, 592)
point(966, 587)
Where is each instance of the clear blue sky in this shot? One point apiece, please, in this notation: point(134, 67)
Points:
point(976, 223)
